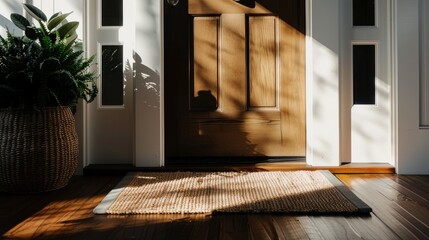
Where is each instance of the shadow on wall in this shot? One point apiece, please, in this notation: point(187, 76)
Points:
point(145, 79)
point(6, 24)
point(6, 8)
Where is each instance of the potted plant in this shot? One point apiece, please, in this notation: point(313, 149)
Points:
point(42, 77)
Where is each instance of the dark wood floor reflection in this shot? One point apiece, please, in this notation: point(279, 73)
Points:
point(400, 211)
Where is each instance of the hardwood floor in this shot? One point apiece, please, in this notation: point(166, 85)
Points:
point(400, 211)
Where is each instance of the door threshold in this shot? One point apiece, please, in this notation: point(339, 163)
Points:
point(120, 169)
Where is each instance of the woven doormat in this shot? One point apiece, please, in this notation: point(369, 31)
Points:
point(232, 192)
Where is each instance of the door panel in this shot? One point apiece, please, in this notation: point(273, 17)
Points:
point(205, 63)
point(263, 51)
point(244, 92)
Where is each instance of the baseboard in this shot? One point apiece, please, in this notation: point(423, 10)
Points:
point(121, 169)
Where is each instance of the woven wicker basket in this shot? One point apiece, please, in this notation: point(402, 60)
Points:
point(38, 149)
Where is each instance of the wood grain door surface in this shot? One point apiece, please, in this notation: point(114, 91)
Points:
point(235, 78)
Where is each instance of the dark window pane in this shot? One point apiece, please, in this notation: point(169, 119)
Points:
point(363, 12)
point(363, 74)
point(111, 13)
point(112, 78)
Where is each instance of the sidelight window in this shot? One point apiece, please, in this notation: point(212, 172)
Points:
point(364, 74)
point(363, 12)
point(112, 77)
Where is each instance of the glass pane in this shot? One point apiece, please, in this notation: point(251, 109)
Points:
point(363, 12)
point(111, 13)
point(363, 74)
point(112, 78)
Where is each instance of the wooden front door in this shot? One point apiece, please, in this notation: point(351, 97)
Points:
point(235, 78)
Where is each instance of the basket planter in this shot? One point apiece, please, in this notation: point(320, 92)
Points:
point(38, 149)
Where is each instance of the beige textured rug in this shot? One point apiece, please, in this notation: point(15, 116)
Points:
point(245, 192)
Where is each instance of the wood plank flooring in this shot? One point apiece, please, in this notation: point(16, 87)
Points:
point(400, 211)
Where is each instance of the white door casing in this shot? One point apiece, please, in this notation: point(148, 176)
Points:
point(424, 60)
point(148, 83)
point(412, 135)
point(322, 82)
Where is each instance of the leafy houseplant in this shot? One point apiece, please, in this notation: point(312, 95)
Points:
point(43, 68)
point(43, 74)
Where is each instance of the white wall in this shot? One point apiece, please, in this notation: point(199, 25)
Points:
point(6, 8)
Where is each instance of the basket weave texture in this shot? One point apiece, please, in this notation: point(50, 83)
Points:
point(38, 149)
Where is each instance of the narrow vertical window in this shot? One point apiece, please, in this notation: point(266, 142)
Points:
point(364, 74)
point(112, 78)
point(363, 12)
point(111, 13)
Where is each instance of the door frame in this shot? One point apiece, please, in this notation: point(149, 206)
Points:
point(315, 155)
point(331, 158)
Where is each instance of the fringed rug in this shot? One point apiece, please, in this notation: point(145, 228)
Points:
point(231, 192)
